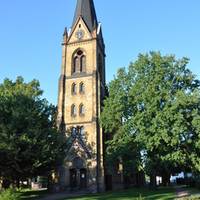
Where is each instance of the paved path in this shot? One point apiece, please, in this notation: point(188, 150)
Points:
point(181, 192)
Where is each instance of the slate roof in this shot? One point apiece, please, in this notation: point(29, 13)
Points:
point(86, 9)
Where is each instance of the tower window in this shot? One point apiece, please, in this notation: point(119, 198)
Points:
point(81, 88)
point(73, 89)
point(81, 110)
point(82, 132)
point(100, 67)
point(73, 130)
point(73, 110)
point(79, 62)
point(82, 63)
point(76, 65)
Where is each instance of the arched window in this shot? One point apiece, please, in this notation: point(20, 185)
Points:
point(79, 62)
point(73, 110)
point(82, 132)
point(76, 65)
point(82, 63)
point(73, 131)
point(100, 67)
point(81, 110)
point(81, 88)
point(73, 89)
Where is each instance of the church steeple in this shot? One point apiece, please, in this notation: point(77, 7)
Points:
point(86, 10)
point(80, 100)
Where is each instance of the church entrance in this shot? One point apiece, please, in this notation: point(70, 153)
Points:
point(73, 178)
point(78, 178)
point(78, 174)
point(83, 178)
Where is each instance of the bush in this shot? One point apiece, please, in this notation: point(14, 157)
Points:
point(9, 194)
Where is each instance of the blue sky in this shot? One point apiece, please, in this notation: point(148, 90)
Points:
point(31, 34)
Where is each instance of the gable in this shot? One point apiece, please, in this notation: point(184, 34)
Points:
point(79, 28)
point(78, 147)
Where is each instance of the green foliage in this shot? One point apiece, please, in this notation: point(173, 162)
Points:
point(122, 146)
point(192, 198)
point(140, 197)
point(155, 104)
point(29, 142)
point(9, 194)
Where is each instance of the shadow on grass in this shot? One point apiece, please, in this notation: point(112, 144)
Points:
point(131, 194)
point(33, 194)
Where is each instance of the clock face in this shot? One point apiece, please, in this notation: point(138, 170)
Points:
point(80, 34)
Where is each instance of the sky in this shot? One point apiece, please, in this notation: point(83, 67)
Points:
point(31, 35)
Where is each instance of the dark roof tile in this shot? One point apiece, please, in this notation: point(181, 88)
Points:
point(86, 9)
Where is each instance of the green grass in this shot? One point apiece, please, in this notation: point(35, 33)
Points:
point(133, 194)
point(129, 194)
point(194, 193)
point(32, 194)
point(9, 194)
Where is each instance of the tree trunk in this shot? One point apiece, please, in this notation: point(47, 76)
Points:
point(49, 183)
point(166, 179)
point(153, 180)
point(29, 183)
point(18, 183)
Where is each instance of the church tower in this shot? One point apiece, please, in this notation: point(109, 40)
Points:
point(81, 93)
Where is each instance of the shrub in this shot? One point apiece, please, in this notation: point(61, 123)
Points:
point(9, 194)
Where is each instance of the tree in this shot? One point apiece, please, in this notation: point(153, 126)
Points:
point(121, 143)
point(160, 108)
point(30, 144)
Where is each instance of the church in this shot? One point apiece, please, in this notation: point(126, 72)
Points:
point(82, 89)
point(80, 99)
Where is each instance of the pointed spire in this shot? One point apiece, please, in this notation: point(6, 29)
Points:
point(65, 35)
point(86, 9)
point(65, 32)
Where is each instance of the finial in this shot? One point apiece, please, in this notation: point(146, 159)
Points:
point(65, 32)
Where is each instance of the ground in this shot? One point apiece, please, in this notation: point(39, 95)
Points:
point(130, 194)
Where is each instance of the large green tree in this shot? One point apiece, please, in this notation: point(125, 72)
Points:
point(30, 144)
point(121, 143)
point(157, 102)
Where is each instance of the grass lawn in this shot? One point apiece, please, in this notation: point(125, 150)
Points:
point(194, 192)
point(33, 194)
point(131, 194)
